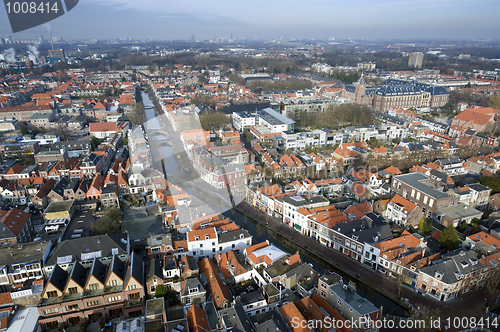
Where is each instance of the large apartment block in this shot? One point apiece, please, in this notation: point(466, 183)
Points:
point(418, 189)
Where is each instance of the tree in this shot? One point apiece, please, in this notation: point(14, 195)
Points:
point(161, 291)
point(213, 120)
point(424, 226)
point(94, 142)
point(494, 102)
point(138, 114)
point(114, 214)
point(63, 134)
point(493, 283)
point(24, 131)
point(449, 238)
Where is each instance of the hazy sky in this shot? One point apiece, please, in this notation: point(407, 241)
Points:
point(160, 19)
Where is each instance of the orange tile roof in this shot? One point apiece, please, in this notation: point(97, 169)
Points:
point(334, 314)
point(201, 233)
point(197, 319)
point(393, 170)
point(221, 294)
point(292, 314)
point(5, 298)
point(399, 200)
point(15, 220)
point(102, 126)
point(485, 238)
point(229, 265)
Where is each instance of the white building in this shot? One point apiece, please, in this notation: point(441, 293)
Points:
point(243, 120)
point(274, 121)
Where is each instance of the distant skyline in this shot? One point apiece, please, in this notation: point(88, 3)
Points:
point(381, 19)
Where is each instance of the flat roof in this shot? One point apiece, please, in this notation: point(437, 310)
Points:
point(415, 180)
point(23, 252)
point(59, 206)
point(460, 211)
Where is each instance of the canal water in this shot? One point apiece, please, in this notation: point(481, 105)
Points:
point(259, 232)
point(159, 151)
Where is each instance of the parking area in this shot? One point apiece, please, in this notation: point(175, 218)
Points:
point(142, 224)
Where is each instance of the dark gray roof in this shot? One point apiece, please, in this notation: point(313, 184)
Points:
point(79, 274)
point(60, 186)
point(270, 321)
point(117, 266)
point(439, 176)
point(154, 269)
point(58, 278)
point(169, 263)
point(73, 184)
point(295, 200)
point(134, 269)
point(356, 302)
point(453, 266)
point(78, 247)
point(415, 180)
point(109, 189)
point(234, 235)
point(331, 279)
point(192, 283)
point(98, 270)
point(251, 297)
point(235, 319)
point(478, 187)
point(251, 108)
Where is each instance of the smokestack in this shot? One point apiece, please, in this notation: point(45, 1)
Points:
point(51, 42)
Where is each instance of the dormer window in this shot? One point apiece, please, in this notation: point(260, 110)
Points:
point(207, 236)
point(196, 238)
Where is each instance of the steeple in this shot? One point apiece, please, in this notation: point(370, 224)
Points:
point(361, 80)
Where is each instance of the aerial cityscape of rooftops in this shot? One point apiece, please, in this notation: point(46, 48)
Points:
point(248, 184)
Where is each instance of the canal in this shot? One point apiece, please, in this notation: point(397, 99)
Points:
point(259, 232)
point(159, 151)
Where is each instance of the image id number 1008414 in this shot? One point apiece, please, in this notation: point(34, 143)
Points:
point(472, 322)
point(25, 7)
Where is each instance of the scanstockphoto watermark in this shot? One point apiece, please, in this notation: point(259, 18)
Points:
point(362, 323)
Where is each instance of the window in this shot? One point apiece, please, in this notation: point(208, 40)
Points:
point(339, 302)
point(130, 287)
point(52, 294)
point(207, 236)
point(188, 300)
point(114, 298)
point(196, 238)
point(114, 283)
point(134, 296)
point(93, 303)
point(72, 307)
point(50, 311)
point(193, 290)
point(323, 294)
point(94, 286)
point(72, 290)
point(169, 273)
point(152, 289)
